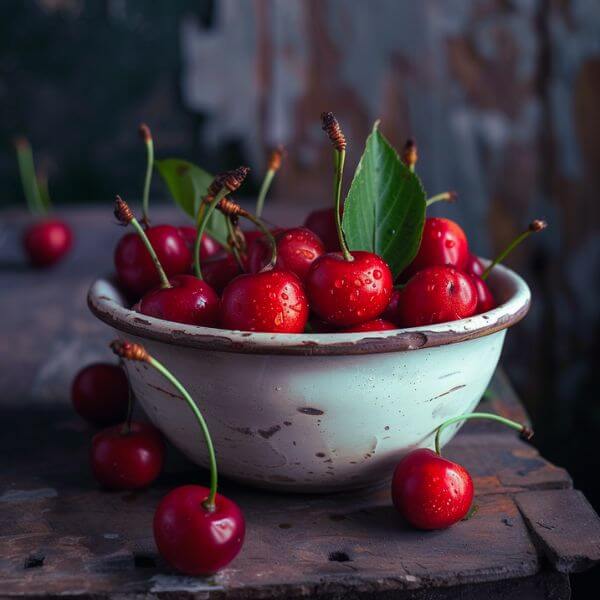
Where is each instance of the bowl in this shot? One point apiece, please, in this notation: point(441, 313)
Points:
point(314, 412)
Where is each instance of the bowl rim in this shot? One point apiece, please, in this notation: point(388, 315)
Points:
point(108, 304)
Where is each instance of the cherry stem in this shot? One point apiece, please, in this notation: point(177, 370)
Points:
point(209, 504)
point(201, 227)
point(264, 188)
point(443, 197)
point(339, 160)
point(147, 179)
point(535, 226)
point(525, 431)
point(235, 248)
point(164, 280)
point(270, 237)
point(29, 181)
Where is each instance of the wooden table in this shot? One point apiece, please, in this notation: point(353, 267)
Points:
point(61, 535)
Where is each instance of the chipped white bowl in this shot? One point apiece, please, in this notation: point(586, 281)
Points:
point(314, 412)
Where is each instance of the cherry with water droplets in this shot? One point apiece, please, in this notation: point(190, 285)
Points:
point(127, 457)
point(297, 249)
point(188, 300)
point(100, 394)
point(134, 265)
point(193, 539)
point(269, 301)
point(345, 293)
point(444, 243)
point(436, 295)
point(322, 223)
point(430, 491)
point(375, 325)
point(47, 241)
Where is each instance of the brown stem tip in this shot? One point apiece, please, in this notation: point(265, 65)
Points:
point(526, 433)
point(334, 131)
point(129, 350)
point(537, 225)
point(122, 211)
point(145, 133)
point(275, 158)
point(230, 208)
point(410, 154)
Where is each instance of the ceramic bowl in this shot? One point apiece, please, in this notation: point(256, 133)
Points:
point(314, 412)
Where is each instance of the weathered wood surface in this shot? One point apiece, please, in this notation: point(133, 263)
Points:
point(60, 534)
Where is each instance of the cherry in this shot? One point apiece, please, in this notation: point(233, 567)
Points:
point(391, 312)
point(322, 223)
point(188, 300)
point(127, 457)
point(47, 241)
point(485, 298)
point(100, 394)
point(375, 325)
point(474, 266)
point(218, 271)
point(346, 293)
point(134, 264)
point(436, 295)
point(297, 249)
point(269, 301)
point(197, 531)
point(443, 243)
point(191, 538)
point(431, 492)
point(208, 246)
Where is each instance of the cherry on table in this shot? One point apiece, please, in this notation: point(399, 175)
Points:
point(188, 300)
point(436, 295)
point(127, 457)
point(134, 265)
point(375, 325)
point(47, 241)
point(208, 246)
point(269, 301)
point(348, 292)
point(322, 223)
point(444, 243)
point(297, 249)
point(100, 394)
point(193, 539)
point(430, 491)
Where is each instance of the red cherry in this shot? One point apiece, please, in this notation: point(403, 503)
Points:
point(391, 312)
point(194, 540)
point(375, 325)
point(189, 300)
point(322, 223)
point(219, 271)
point(431, 492)
point(485, 298)
point(100, 394)
point(47, 241)
point(127, 461)
point(208, 246)
point(270, 301)
point(133, 263)
point(474, 266)
point(443, 243)
point(346, 293)
point(297, 249)
point(436, 295)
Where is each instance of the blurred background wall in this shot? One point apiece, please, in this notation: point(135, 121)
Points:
point(503, 97)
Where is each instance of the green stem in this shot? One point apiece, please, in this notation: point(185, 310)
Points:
point(210, 501)
point(339, 159)
point(475, 415)
point(262, 194)
point(164, 280)
point(234, 245)
point(28, 177)
point(270, 237)
point(506, 252)
point(147, 180)
point(443, 197)
point(201, 227)
point(411, 168)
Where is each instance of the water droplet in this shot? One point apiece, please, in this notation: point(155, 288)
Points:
point(377, 274)
point(284, 296)
point(450, 243)
point(357, 282)
point(338, 283)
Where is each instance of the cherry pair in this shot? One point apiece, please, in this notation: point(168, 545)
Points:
point(432, 492)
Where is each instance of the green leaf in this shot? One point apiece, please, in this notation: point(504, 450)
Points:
point(188, 184)
point(385, 208)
